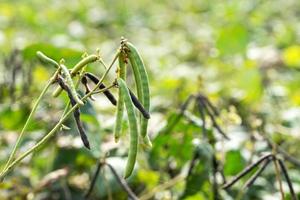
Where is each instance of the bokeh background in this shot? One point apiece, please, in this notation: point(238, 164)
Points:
point(243, 55)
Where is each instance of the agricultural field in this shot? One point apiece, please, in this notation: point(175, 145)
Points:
point(191, 100)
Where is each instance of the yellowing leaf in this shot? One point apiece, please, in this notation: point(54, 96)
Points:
point(151, 178)
point(291, 56)
point(198, 196)
point(7, 10)
point(40, 74)
point(295, 98)
point(248, 80)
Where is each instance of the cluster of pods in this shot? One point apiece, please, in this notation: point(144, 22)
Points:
point(127, 55)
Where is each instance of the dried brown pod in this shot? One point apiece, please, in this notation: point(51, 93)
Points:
point(207, 106)
point(76, 112)
point(138, 105)
point(107, 93)
point(87, 88)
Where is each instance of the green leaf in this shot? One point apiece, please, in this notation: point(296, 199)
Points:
point(249, 82)
point(18, 115)
point(234, 163)
point(232, 39)
point(291, 56)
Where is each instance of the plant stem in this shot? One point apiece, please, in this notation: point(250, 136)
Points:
point(252, 179)
point(10, 159)
point(288, 180)
point(104, 89)
point(94, 179)
point(162, 187)
point(57, 126)
point(284, 153)
point(277, 171)
point(246, 171)
point(122, 182)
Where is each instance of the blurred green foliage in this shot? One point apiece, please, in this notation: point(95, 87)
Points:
point(243, 55)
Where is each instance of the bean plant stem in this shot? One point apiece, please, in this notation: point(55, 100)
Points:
point(94, 179)
point(76, 86)
point(51, 80)
point(57, 126)
point(288, 180)
point(162, 187)
point(122, 182)
point(104, 89)
point(277, 170)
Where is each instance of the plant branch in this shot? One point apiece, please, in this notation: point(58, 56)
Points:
point(51, 80)
point(122, 182)
point(209, 104)
point(161, 187)
point(288, 157)
point(253, 178)
point(246, 171)
point(95, 176)
point(104, 89)
point(285, 154)
point(277, 171)
point(193, 162)
point(57, 126)
point(288, 180)
point(212, 117)
point(215, 187)
point(202, 115)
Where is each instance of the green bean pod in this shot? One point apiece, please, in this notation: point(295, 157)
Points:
point(133, 128)
point(71, 84)
point(46, 59)
point(76, 69)
point(120, 102)
point(142, 83)
point(82, 63)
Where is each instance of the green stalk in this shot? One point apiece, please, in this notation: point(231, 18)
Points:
point(56, 127)
point(76, 69)
point(29, 118)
